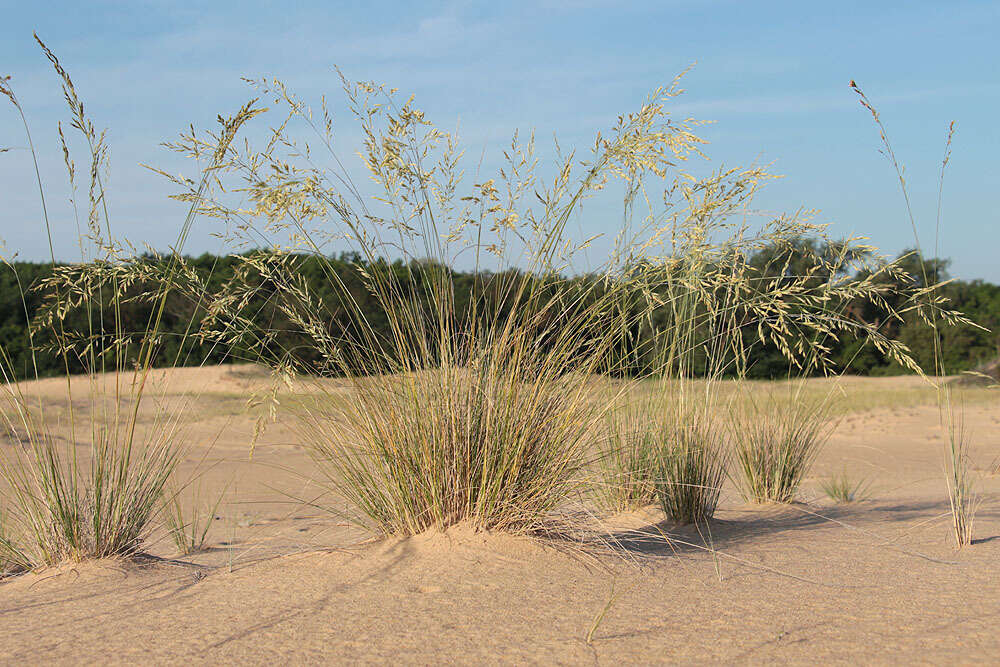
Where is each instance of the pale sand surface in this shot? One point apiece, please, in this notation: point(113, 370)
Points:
point(873, 582)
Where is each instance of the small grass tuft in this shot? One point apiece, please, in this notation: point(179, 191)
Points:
point(842, 489)
point(676, 459)
point(61, 510)
point(627, 464)
point(189, 529)
point(962, 497)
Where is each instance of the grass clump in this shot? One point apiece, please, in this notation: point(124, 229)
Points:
point(962, 497)
point(83, 476)
point(60, 508)
point(492, 444)
point(690, 470)
point(774, 449)
point(843, 489)
point(676, 459)
point(627, 464)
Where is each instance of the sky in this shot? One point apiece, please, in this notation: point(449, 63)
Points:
point(772, 75)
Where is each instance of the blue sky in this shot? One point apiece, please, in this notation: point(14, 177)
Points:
point(774, 75)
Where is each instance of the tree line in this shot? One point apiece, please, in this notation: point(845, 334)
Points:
point(269, 329)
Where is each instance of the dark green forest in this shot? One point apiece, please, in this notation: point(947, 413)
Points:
point(269, 333)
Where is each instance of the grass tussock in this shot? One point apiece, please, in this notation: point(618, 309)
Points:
point(60, 508)
point(86, 480)
point(489, 444)
point(627, 465)
point(690, 469)
point(775, 449)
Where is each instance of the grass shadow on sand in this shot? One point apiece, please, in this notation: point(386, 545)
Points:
point(885, 524)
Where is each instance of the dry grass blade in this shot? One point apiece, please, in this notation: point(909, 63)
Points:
point(612, 597)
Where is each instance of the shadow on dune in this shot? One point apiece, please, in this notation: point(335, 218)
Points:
point(667, 539)
point(758, 525)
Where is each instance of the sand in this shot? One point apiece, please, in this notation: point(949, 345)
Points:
point(877, 581)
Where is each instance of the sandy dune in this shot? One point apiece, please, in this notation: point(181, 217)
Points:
point(875, 582)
